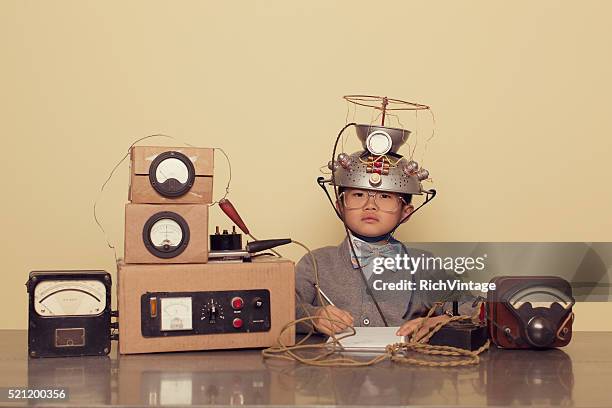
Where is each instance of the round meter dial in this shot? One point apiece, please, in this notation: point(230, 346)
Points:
point(166, 234)
point(172, 174)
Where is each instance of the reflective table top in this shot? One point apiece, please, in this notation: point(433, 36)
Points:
point(578, 375)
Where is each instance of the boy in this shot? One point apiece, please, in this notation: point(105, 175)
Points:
point(371, 205)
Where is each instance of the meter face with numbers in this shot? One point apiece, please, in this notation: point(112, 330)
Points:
point(166, 234)
point(172, 174)
point(69, 298)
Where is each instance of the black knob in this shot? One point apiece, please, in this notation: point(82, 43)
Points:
point(540, 332)
point(212, 315)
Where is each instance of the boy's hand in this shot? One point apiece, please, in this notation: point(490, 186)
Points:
point(323, 325)
point(408, 327)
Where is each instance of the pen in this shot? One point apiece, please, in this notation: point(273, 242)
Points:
point(324, 295)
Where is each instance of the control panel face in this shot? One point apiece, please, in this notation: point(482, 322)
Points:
point(214, 312)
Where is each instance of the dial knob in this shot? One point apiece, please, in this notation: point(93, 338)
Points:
point(212, 314)
point(540, 332)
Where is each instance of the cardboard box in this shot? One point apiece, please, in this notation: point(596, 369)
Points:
point(275, 275)
point(194, 215)
point(141, 191)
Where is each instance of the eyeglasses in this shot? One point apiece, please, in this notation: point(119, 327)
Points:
point(357, 199)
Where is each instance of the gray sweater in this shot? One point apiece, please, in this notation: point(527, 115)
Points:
point(343, 285)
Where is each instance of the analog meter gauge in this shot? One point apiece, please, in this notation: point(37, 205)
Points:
point(69, 297)
point(546, 311)
point(172, 174)
point(69, 313)
point(166, 234)
point(176, 313)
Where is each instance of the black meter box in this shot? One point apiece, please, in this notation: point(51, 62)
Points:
point(182, 307)
point(69, 313)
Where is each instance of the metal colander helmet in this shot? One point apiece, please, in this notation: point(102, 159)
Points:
point(379, 166)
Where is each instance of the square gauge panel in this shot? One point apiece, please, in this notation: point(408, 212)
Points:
point(69, 313)
point(176, 313)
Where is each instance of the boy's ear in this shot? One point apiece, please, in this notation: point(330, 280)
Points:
point(339, 207)
point(406, 211)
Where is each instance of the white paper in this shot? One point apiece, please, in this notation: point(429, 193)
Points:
point(369, 338)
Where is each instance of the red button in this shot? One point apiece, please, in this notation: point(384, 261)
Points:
point(237, 323)
point(237, 303)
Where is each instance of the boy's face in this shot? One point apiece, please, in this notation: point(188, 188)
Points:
point(371, 213)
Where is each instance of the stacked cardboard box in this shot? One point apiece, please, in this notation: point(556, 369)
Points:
point(166, 251)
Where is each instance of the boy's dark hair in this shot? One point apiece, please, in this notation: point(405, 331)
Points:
point(407, 197)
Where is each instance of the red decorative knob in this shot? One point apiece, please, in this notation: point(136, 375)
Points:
point(237, 323)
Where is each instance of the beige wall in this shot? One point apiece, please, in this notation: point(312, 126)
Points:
point(520, 90)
